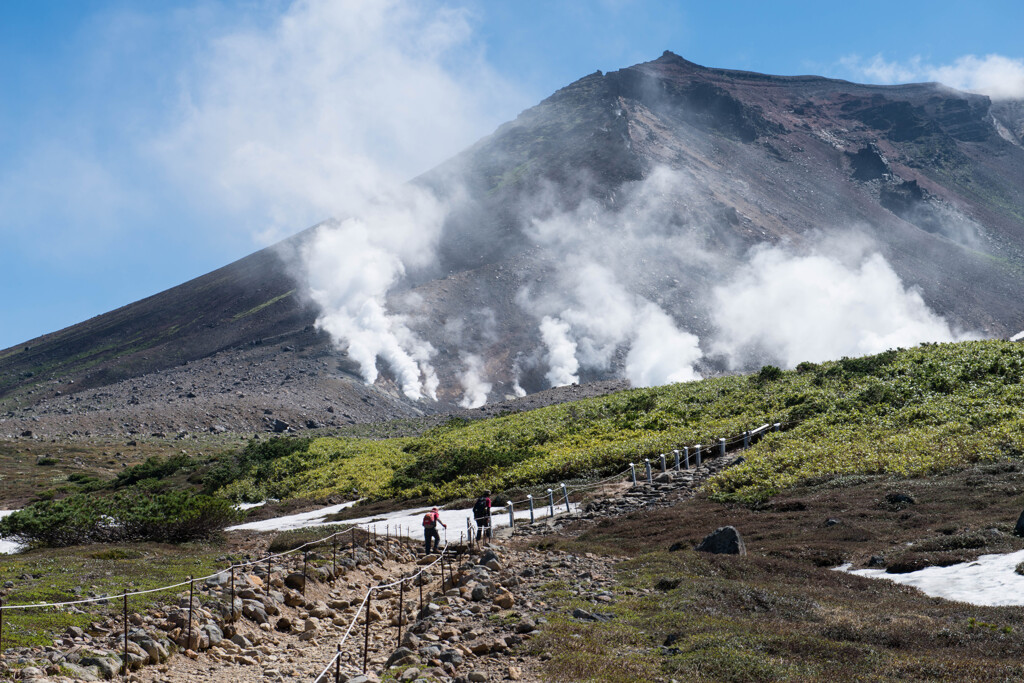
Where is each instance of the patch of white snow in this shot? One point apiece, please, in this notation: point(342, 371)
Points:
point(8, 547)
point(989, 580)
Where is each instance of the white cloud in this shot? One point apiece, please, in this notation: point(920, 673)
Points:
point(305, 118)
point(994, 75)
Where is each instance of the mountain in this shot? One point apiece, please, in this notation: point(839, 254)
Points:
point(606, 232)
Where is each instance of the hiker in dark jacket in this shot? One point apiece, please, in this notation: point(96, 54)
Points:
point(430, 522)
point(482, 514)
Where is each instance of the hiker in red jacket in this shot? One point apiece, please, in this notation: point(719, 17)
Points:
point(430, 522)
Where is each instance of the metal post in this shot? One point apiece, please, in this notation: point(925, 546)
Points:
point(469, 531)
point(420, 582)
point(337, 665)
point(387, 534)
point(268, 574)
point(366, 634)
point(663, 468)
point(551, 502)
point(1, 625)
point(686, 456)
point(353, 543)
point(511, 517)
point(232, 592)
point(530, 498)
point(126, 633)
point(334, 557)
point(647, 466)
point(776, 427)
point(401, 609)
point(305, 556)
point(698, 454)
point(675, 452)
point(746, 440)
point(721, 447)
point(565, 493)
point(191, 592)
point(632, 472)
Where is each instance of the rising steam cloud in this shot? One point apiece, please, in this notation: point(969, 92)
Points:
point(472, 379)
point(350, 268)
point(814, 307)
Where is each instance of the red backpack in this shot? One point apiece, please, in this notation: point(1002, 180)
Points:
point(429, 519)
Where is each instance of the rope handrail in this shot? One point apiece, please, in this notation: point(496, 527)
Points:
point(767, 427)
point(366, 598)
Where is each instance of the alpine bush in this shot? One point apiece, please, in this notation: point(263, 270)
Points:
point(173, 517)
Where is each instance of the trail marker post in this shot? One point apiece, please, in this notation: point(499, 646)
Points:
point(305, 559)
point(675, 452)
point(721, 447)
point(698, 454)
point(663, 468)
point(551, 502)
point(401, 609)
point(632, 472)
point(511, 516)
point(686, 456)
point(529, 497)
point(366, 633)
point(191, 605)
point(776, 427)
point(126, 633)
point(565, 492)
point(746, 440)
point(647, 466)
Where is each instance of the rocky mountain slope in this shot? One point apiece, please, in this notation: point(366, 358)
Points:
point(664, 174)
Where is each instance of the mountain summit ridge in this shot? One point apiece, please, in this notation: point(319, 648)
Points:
point(680, 172)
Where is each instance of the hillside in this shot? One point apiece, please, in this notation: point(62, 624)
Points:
point(646, 188)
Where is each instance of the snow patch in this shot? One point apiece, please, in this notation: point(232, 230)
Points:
point(989, 580)
point(402, 522)
point(8, 547)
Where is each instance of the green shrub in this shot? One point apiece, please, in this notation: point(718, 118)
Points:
point(153, 468)
point(78, 519)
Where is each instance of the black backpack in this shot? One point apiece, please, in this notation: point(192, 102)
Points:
point(480, 508)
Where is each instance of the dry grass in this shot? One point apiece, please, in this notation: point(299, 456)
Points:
point(780, 614)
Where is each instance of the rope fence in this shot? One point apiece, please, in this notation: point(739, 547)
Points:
point(553, 499)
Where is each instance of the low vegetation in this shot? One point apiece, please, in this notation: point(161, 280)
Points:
point(781, 612)
point(174, 517)
point(905, 412)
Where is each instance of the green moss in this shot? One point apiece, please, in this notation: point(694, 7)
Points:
point(265, 304)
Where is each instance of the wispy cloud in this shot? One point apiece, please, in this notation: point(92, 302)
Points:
point(307, 117)
point(994, 75)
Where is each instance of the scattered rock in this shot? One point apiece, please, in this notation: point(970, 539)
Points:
point(724, 540)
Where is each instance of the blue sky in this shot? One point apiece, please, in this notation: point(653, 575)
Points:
point(146, 143)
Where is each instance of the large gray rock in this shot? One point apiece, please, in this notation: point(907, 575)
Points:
point(723, 541)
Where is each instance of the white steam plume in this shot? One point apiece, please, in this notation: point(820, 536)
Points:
point(350, 267)
point(997, 76)
point(472, 378)
point(594, 309)
point(561, 356)
point(660, 352)
point(815, 307)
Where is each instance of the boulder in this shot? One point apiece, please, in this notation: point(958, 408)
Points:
point(295, 581)
point(723, 541)
point(397, 656)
